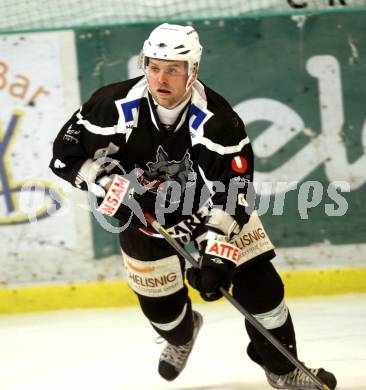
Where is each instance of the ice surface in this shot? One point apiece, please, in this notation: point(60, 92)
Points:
point(114, 349)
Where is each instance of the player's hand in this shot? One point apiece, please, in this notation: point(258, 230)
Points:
point(208, 282)
point(119, 201)
point(217, 261)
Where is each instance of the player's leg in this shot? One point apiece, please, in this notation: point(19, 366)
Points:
point(259, 288)
point(156, 274)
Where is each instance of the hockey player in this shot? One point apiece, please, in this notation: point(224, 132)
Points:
point(166, 143)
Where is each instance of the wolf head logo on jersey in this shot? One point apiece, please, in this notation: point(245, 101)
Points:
point(164, 170)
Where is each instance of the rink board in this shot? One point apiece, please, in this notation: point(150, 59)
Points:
point(118, 294)
point(55, 258)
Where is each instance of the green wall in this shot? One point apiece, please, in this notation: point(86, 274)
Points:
point(270, 58)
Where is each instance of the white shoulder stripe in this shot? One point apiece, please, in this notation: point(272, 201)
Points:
point(94, 128)
point(214, 147)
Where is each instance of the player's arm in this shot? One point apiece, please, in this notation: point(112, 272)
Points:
point(68, 154)
point(82, 144)
point(226, 164)
point(87, 153)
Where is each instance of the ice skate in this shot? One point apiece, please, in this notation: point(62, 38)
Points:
point(297, 380)
point(174, 357)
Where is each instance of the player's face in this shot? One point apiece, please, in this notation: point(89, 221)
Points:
point(167, 81)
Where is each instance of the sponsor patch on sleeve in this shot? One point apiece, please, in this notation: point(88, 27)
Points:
point(223, 249)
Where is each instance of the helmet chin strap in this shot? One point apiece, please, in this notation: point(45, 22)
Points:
point(183, 98)
point(188, 92)
point(193, 72)
point(189, 82)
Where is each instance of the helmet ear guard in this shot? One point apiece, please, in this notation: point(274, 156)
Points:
point(173, 43)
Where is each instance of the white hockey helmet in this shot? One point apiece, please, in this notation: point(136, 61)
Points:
point(173, 42)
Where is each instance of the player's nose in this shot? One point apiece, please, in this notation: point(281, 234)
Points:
point(162, 77)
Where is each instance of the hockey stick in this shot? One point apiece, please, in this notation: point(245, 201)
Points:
point(251, 319)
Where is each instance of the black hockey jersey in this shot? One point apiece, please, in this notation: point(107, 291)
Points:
point(207, 152)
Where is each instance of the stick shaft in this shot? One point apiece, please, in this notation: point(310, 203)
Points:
point(250, 318)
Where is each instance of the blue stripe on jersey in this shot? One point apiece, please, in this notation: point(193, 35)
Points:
point(127, 108)
point(198, 113)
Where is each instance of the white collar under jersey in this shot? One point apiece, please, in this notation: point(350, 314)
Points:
point(168, 116)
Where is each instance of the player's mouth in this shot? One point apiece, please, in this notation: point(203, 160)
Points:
point(163, 92)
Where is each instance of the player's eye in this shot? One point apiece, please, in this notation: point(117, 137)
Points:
point(172, 71)
point(153, 69)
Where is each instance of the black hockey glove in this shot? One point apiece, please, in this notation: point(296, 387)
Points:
point(218, 256)
point(217, 261)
